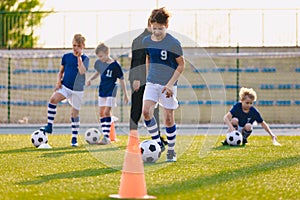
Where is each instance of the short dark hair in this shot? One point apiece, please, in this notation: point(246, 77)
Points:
point(160, 15)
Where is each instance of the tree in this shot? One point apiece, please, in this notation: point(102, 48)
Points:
point(18, 18)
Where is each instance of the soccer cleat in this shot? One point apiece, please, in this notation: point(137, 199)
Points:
point(163, 144)
point(47, 129)
point(225, 143)
point(105, 140)
point(171, 156)
point(245, 141)
point(74, 142)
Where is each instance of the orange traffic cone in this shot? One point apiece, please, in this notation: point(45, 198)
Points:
point(133, 185)
point(112, 132)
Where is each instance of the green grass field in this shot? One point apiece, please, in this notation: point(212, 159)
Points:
point(257, 171)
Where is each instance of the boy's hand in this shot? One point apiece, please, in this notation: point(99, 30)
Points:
point(275, 142)
point(169, 91)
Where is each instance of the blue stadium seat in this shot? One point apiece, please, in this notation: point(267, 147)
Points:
point(297, 102)
point(234, 70)
point(40, 103)
point(198, 86)
point(2, 86)
point(218, 70)
point(283, 102)
point(39, 71)
point(266, 102)
point(297, 69)
point(267, 86)
point(52, 71)
point(297, 86)
point(182, 102)
point(199, 70)
point(183, 86)
point(20, 103)
point(231, 86)
point(230, 102)
point(251, 70)
point(21, 71)
point(215, 86)
point(285, 86)
point(214, 102)
point(90, 103)
point(194, 102)
point(268, 69)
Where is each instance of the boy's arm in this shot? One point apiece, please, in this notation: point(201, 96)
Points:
point(122, 82)
point(268, 130)
point(59, 77)
point(227, 120)
point(169, 87)
point(81, 67)
point(93, 77)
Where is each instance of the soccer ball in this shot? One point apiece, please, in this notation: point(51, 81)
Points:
point(150, 150)
point(39, 137)
point(92, 135)
point(234, 138)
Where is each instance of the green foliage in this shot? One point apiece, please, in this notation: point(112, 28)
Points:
point(18, 20)
point(257, 171)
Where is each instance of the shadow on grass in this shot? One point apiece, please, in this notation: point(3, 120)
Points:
point(76, 150)
point(61, 150)
point(69, 175)
point(230, 175)
point(227, 147)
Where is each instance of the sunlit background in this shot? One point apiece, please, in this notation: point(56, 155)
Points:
point(207, 22)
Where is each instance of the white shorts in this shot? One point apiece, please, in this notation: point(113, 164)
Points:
point(154, 93)
point(74, 97)
point(107, 101)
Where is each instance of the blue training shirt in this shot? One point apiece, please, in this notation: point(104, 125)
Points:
point(250, 117)
point(109, 75)
point(162, 56)
point(72, 79)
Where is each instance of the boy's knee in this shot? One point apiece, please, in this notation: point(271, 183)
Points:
point(235, 122)
point(248, 127)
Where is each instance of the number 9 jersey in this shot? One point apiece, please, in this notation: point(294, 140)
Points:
point(162, 55)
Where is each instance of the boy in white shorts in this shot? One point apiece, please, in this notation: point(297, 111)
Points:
point(70, 86)
point(109, 70)
point(165, 63)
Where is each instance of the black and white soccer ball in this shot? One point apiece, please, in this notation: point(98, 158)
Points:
point(39, 137)
point(234, 138)
point(92, 135)
point(150, 150)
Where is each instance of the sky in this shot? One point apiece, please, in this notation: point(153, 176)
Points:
point(102, 20)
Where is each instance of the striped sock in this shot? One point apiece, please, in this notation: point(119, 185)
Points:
point(75, 126)
point(171, 136)
point(105, 123)
point(51, 113)
point(153, 130)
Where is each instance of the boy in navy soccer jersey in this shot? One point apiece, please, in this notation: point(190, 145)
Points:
point(110, 70)
point(165, 63)
point(243, 114)
point(70, 85)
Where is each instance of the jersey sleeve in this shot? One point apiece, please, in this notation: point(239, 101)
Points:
point(63, 60)
point(234, 109)
point(86, 62)
point(97, 66)
point(177, 49)
point(258, 117)
point(118, 72)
